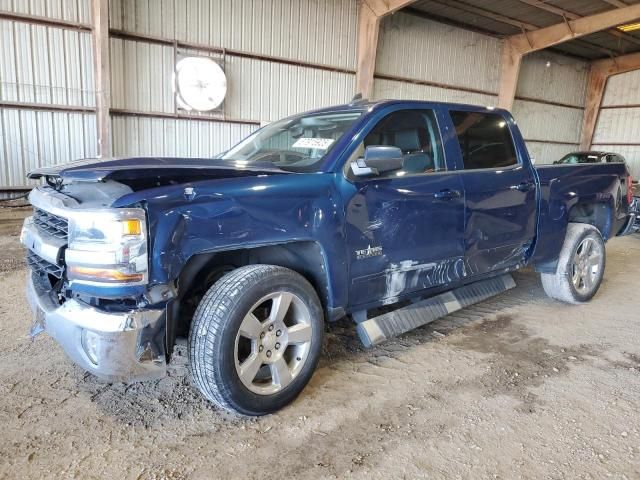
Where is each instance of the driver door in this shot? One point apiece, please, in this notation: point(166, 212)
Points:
point(405, 227)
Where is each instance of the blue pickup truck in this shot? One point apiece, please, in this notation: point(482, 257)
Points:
point(420, 207)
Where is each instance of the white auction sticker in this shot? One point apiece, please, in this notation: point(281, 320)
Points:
point(319, 143)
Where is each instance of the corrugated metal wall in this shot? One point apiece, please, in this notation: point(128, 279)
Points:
point(78, 11)
point(40, 64)
point(418, 49)
point(547, 78)
point(180, 138)
point(32, 139)
point(618, 127)
point(260, 88)
point(422, 59)
point(315, 31)
point(282, 57)
point(46, 66)
point(393, 89)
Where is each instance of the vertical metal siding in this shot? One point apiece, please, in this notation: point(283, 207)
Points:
point(78, 11)
point(175, 137)
point(32, 139)
point(421, 49)
point(548, 122)
point(258, 90)
point(563, 81)
point(621, 125)
point(141, 76)
point(391, 89)
point(316, 31)
point(40, 64)
point(266, 91)
point(44, 65)
point(618, 125)
point(623, 89)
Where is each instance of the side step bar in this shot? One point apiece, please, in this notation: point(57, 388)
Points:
point(379, 329)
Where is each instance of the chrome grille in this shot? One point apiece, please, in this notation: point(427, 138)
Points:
point(42, 267)
point(50, 224)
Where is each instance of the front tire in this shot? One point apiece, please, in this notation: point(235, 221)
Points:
point(580, 266)
point(255, 339)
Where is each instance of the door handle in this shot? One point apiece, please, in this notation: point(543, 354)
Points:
point(447, 194)
point(523, 186)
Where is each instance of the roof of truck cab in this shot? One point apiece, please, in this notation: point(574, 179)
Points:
point(377, 104)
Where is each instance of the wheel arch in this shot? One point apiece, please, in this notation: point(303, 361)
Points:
point(202, 270)
point(599, 214)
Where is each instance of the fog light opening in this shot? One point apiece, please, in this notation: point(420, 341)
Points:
point(90, 345)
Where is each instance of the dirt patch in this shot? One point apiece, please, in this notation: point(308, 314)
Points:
point(11, 252)
point(518, 360)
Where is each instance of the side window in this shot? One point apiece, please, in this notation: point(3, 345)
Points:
point(485, 140)
point(416, 133)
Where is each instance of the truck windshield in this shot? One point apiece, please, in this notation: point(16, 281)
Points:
point(296, 143)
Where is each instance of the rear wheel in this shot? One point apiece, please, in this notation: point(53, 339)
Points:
point(580, 266)
point(255, 339)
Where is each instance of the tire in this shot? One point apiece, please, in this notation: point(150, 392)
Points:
point(577, 280)
point(238, 323)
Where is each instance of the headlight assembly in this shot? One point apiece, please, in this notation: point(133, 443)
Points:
point(107, 247)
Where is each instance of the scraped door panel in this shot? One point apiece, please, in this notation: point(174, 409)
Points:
point(403, 238)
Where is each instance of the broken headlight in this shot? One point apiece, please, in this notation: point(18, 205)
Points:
point(107, 247)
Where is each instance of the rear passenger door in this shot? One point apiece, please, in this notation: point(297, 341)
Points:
point(500, 192)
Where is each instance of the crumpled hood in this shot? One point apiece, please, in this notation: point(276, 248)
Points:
point(137, 168)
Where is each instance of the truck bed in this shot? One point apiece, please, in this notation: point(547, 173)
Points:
point(563, 188)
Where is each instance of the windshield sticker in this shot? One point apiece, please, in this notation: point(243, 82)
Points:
point(318, 143)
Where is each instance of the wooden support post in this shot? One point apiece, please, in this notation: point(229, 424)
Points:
point(599, 74)
point(102, 75)
point(368, 29)
point(370, 13)
point(510, 71)
point(595, 92)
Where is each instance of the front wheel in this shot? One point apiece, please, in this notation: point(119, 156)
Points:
point(580, 266)
point(255, 339)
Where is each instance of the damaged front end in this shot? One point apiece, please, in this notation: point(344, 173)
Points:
point(87, 283)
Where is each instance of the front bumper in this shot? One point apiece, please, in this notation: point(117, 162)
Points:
point(121, 347)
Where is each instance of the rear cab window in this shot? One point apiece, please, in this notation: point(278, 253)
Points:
point(485, 140)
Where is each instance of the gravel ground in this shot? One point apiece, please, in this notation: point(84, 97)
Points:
point(517, 387)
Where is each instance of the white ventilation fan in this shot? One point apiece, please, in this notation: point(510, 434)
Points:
point(200, 84)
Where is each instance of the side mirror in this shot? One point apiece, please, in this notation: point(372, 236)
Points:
point(533, 161)
point(378, 159)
